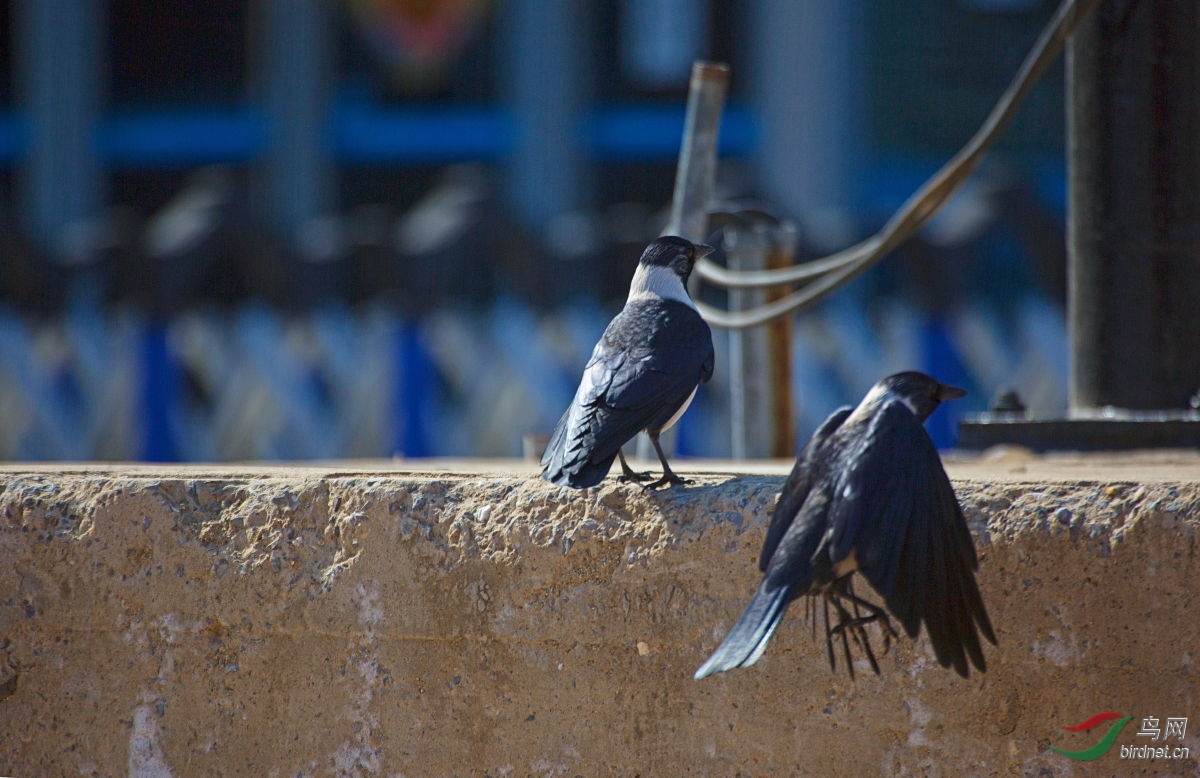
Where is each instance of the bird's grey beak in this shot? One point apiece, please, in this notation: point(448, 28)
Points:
point(703, 250)
point(947, 392)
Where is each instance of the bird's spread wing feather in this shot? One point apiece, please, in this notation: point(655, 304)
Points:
point(895, 509)
point(797, 486)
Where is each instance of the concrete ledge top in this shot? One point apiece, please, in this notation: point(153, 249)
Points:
point(1003, 464)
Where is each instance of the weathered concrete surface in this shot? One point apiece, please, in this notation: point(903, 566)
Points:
point(291, 621)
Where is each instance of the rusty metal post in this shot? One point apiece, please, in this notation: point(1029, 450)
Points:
point(779, 350)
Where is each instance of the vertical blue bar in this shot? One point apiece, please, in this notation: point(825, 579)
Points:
point(412, 392)
point(296, 70)
point(59, 49)
point(160, 383)
point(686, 444)
point(940, 360)
point(547, 64)
point(806, 73)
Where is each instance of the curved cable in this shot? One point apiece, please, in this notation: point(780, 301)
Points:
point(837, 269)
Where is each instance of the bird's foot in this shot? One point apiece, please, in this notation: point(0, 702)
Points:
point(854, 626)
point(875, 613)
point(628, 474)
point(668, 479)
point(856, 623)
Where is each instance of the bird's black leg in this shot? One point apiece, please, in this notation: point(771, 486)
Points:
point(855, 623)
point(864, 640)
point(844, 620)
point(668, 476)
point(812, 615)
point(875, 613)
point(628, 473)
point(829, 641)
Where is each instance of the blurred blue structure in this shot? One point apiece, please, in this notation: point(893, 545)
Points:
point(327, 289)
point(160, 397)
point(256, 384)
point(413, 394)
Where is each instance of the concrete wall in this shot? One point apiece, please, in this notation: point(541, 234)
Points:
point(293, 622)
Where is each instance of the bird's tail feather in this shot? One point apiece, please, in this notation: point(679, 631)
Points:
point(568, 460)
point(576, 475)
point(745, 643)
point(554, 447)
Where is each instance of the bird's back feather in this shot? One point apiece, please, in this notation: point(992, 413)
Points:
point(647, 363)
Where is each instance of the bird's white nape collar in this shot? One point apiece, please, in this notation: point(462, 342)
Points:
point(877, 396)
point(656, 282)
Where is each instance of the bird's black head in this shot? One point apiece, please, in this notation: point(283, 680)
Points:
point(676, 253)
point(922, 392)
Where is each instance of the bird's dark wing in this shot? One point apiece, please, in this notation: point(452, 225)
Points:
point(667, 350)
point(573, 456)
point(895, 509)
point(796, 488)
point(709, 364)
point(793, 564)
point(647, 363)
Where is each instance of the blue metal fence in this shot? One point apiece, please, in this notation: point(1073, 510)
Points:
point(256, 384)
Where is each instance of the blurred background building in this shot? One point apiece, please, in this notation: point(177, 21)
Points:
point(294, 229)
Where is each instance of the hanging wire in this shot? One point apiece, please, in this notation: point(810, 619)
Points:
point(838, 269)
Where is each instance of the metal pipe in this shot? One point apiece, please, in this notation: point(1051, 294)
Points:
point(830, 273)
point(746, 249)
point(696, 172)
point(1133, 73)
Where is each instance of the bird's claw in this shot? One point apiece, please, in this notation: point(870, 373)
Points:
point(857, 629)
point(853, 626)
point(631, 476)
point(857, 623)
point(668, 479)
